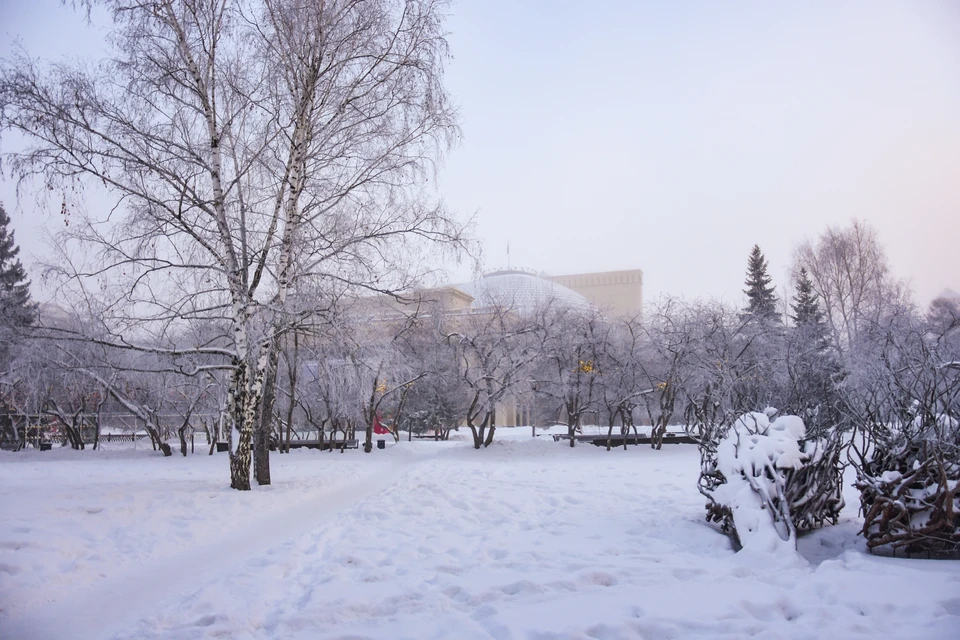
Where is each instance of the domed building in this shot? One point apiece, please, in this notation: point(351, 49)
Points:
point(617, 293)
point(520, 290)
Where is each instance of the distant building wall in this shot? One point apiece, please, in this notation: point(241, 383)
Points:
point(620, 291)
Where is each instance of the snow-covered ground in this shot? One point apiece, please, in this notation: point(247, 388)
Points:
point(528, 539)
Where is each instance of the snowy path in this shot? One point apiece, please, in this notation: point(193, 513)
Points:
point(105, 608)
point(527, 540)
point(532, 541)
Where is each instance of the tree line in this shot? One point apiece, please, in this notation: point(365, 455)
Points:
point(271, 161)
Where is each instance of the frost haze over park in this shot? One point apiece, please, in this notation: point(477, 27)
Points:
point(280, 368)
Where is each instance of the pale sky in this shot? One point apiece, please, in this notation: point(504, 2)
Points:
point(673, 136)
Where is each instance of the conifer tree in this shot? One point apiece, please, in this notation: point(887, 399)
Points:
point(814, 369)
point(761, 299)
point(806, 307)
point(16, 309)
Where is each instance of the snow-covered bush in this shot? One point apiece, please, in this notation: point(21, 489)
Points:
point(815, 490)
point(763, 481)
point(904, 399)
point(908, 483)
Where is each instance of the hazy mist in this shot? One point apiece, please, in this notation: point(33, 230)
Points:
point(671, 137)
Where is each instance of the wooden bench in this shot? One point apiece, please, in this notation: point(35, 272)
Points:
point(558, 437)
point(322, 445)
point(618, 439)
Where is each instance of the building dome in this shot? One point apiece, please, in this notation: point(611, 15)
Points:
point(522, 290)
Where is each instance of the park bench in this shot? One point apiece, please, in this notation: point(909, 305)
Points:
point(322, 445)
point(122, 437)
point(617, 439)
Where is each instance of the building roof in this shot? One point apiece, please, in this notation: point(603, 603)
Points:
point(522, 290)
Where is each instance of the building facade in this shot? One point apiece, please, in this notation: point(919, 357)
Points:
point(619, 291)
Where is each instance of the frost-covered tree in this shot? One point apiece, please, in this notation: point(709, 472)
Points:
point(494, 349)
point(718, 368)
point(673, 338)
point(16, 309)
point(943, 319)
point(438, 401)
point(621, 382)
point(252, 146)
point(568, 365)
point(761, 299)
point(385, 376)
point(759, 341)
point(903, 397)
point(805, 305)
point(692, 361)
point(850, 276)
point(812, 364)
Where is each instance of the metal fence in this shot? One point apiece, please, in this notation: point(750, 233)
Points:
point(34, 429)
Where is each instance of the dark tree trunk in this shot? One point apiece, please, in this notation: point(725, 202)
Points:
point(396, 420)
point(610, 432)
point(182, 431)
point(158, 442)
point(71, 433)
point(368, 440)
point(212, 437)
point(474, 432)
point(292, 376)
point(490, 422)
point(626, 418)
point(371, 416)
point(573, 421)
point(76, 436)
point(286, 446)
point(667, 403)
point(264, 429)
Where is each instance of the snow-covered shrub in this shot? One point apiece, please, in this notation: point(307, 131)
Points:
point(763, 481)
point(815, 490)
point(904, 399)
point(908, 484)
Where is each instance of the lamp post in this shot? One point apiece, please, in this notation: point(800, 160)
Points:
point(533, 414)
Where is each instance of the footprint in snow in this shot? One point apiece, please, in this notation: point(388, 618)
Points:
point(951, 606)
point(600, 578)
point(523, 586)
point(482, 612)
point(497, 554)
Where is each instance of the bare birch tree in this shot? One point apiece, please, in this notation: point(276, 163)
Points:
point(850, 274)
point(250, 145)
